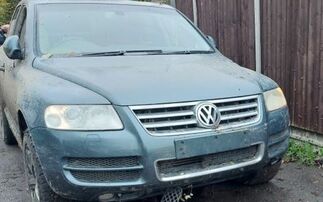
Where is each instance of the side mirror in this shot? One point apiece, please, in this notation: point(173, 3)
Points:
point(2, 38)
point(12, 48)
point(212, 41)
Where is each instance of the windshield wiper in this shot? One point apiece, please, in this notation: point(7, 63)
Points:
point(186, 52)
point(118, 53)
point(145, 51)
point(108, 53)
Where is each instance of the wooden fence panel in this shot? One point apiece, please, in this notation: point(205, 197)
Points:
point(292, 55)
point(292, 46)
point(231, 23)
point(186, 7)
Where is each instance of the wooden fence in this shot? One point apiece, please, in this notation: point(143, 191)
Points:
point(292, 46)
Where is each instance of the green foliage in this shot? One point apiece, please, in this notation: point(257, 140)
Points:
point(303, 152)
point(6, 9)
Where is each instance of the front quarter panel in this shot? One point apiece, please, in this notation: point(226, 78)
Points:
point(37, 90)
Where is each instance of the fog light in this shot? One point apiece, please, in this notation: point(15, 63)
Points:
point(106, 197)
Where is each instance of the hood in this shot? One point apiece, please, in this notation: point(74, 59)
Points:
point(154, 79)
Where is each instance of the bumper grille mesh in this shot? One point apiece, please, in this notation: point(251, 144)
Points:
point(104, 170)
point(171, 168)
point(103, 162)
point(105, 177)
point(179, 118)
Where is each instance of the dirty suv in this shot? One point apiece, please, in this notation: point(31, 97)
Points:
point(121, 100)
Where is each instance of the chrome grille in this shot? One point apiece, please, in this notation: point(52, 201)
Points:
point(179, 118)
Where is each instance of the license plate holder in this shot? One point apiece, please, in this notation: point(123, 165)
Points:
point(212, 143)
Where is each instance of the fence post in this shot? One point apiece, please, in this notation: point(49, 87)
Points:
point(257, 35)
point(173, 3)
point(195, 13)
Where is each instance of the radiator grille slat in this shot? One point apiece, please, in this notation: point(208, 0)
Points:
point(170, 123)
point(238, 107)
point(179, 118)
point(239, 115)
point(166, 114)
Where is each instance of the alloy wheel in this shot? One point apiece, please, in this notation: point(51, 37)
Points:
point(31, 175)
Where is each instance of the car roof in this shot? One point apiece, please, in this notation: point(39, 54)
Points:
point(120, 2)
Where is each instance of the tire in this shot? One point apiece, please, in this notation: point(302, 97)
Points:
point(37, 183)
point(264, 175)
point(7, 135)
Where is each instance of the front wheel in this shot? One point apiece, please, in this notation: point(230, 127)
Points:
point(37, 183)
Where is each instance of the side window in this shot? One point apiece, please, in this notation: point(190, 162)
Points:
point(14, 19)
point(20, 21)
point(22, 36)
point(15, 13)
point(20, 28)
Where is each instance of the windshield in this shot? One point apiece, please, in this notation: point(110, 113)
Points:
point(67, 29)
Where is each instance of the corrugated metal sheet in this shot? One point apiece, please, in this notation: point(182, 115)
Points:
point(292, 46)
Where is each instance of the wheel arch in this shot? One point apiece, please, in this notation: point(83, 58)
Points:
point(22, 123)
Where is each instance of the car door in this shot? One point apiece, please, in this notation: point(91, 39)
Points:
point(13, 67)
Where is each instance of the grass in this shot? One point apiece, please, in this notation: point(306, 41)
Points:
point(304, 153)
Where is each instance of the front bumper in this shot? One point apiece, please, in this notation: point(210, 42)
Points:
point(55, 147)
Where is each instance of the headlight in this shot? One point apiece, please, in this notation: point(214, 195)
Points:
point(274, 99)
point(82, 117)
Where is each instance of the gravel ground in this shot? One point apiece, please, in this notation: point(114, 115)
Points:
point(294, 183)
point(12, 181)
